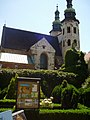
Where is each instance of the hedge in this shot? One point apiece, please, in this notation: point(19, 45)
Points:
point(49, 78)
point(7, 103)
point(55, 114)
point(58, 114)
point(5, 77)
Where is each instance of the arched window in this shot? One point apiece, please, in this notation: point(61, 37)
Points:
point(74, 29)
point(63, 43)
point(75, 42)
point(63, 31)
point(43, 61)
point(69, 42)
point(68, 29)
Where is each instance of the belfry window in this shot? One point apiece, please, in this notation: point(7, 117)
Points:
point(75, 42)
point(63, 31)
point(63, 43)
point(68, 29)
point(74, 29)
point(69, 42)
point(43, 61)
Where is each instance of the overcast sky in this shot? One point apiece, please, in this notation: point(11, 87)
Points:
point(38, 15)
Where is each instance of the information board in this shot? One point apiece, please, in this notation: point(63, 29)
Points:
point(28, 92)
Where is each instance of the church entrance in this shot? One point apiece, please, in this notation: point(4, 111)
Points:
point(43, 61)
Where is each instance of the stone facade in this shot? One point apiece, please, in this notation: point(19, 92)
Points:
point(43, 47)
point(45, 51)
point(70, 31)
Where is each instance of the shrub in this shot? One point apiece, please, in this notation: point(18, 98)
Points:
point(71, 57)
point(7, 103)
point(49, 78)
point(85, 92)
point(75, 63)
point(3, 93)
point(45, 114)
point(56, 93)
point(86, 83)
point(69, 97)
point(11, 91)
point(86, 97)
point(5, 77)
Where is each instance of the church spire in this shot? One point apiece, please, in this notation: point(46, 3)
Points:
point(69, 3)
point(56, 27)
point(57, 13)
point(70, 12)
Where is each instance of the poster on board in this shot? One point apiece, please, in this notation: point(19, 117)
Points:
point(28, 92)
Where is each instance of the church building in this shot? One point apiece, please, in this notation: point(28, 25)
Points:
point(43, 51)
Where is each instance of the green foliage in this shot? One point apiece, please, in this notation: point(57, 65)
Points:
point(71, 57)
point(3, 93)
point(66, 94)
point(11, 91)
point(56, 93)
point(86, 96)
point(5, 109)
point(85, 92)
point(49, 78)
point(81, 106)
point(69, 97)
point(5, 77)
point(75, 63)
point(86, 83)
point(45, 114)
point(7, 103)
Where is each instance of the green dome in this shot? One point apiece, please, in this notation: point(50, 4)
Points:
point(69, 10)
point(57, 22)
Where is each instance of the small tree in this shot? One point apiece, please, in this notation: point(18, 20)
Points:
point(56, 93)
point(11, 91)
point(86, 97)
point(69, 97)
point(75, 63)
point(85, 93)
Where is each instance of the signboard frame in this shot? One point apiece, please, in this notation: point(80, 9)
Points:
point(28, 93)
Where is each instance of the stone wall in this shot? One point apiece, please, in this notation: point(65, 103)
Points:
point(43, 47)
point(72, 36)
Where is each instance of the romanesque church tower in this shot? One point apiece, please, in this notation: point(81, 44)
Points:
point(66, 30)
point(70, 29)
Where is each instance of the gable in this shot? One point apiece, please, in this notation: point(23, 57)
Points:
point(44, 45)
